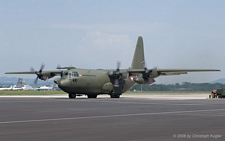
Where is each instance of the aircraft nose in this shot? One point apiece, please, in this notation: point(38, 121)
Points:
point(62, 83)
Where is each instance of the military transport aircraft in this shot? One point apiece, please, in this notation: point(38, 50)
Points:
point(91, 82)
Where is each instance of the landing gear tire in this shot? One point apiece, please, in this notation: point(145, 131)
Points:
point(114, 96)
point(92, 95)
point(72, 95)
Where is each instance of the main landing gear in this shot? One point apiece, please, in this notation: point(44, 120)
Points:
point(114, 96)
point(92, 95)
point(72, 95)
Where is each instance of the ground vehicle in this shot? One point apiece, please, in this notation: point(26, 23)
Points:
point(217, 93)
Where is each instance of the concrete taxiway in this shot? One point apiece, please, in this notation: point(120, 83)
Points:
point(130, 117)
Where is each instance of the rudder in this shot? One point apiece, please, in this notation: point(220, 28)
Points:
point(138, 57)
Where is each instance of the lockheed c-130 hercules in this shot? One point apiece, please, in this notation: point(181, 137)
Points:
point(92, 83)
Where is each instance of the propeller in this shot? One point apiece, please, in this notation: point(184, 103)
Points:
point(117, 75)
point(118, 66)
point(39, 73)
point(116, 83)
point(144, 66)
point(58, 66)
point(146, 75)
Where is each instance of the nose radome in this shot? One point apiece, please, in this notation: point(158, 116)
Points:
point(62, 83)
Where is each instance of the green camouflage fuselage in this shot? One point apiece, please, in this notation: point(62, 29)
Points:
point(88, 81)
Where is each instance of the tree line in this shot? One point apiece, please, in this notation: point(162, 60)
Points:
point(185, 86)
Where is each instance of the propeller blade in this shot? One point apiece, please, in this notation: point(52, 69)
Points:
point(151, 81)
point(35, 81)
point(118, 66)
point(116, 75)
point(144, 66)
point(58, 66)
point(38, 73)
point(32, 69)
point(42, 67)
point(116, 83)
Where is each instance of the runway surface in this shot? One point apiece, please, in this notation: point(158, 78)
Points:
point(103, 119)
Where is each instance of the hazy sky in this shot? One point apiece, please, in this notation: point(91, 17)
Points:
point(98, 33)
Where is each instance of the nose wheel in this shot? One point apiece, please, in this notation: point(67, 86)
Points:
point(72, 95)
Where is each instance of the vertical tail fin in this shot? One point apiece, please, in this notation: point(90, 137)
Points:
point(138, 55)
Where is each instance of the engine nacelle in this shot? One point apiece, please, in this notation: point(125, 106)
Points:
point(141, 81)
point(154, 73)
point(45, 76)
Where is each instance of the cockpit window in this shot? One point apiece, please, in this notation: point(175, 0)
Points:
point(69, 74)
point(75, 74)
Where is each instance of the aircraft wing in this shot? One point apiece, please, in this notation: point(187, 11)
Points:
point(56, 72)
point(147, 76)
point(43, 74)
point(182, 71)
point(25, 72)
point(159, 72)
